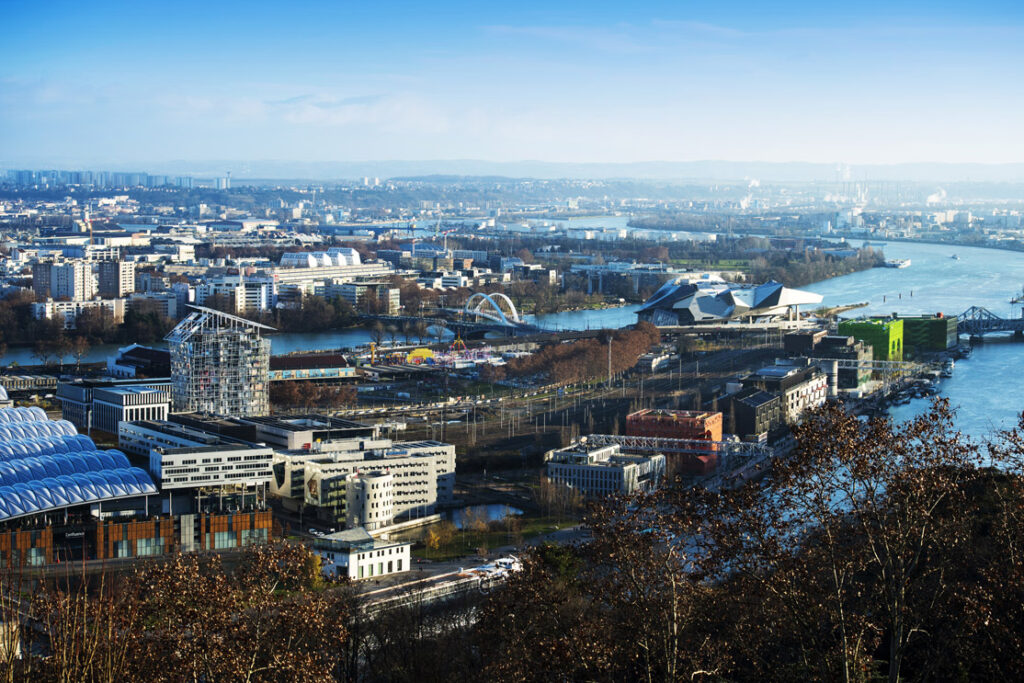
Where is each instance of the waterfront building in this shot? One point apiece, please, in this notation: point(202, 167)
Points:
point(599, 471)
point(219, 364)
point(68, 311)
point(885, 335)
point(930, 332)
point(687, 300)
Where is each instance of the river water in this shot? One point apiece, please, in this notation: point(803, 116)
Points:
point(982, 388)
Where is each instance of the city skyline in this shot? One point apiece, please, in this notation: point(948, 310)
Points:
point(128, 84)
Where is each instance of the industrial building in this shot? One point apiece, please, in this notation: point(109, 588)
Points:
point(219, 364)
point(599, 471)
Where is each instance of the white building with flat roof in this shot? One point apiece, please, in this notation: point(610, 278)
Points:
point(603, 471)
point(357, 555)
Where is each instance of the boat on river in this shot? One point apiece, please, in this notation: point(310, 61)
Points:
point(897, 263)
point(955, 257)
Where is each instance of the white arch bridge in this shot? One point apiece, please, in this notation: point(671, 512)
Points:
point(488, 307)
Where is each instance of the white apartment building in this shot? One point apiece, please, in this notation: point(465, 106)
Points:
point(604, 471)
point(72, 280)
point(70, 310)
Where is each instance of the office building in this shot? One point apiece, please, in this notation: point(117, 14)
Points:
point(111, 405)
point(599, 471)
point(219, 364)
point(885, 335)
point(78, 398)
point(755, 413)
point(366, 481)
point(799, 385)
point(355, 554)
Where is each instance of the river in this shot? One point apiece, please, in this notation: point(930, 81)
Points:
point(933, 282)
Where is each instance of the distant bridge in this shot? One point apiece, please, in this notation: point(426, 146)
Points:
point(466, 328)
point(480, 314)
point(976, 322)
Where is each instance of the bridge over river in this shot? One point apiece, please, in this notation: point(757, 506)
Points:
point(482, 313)
point(976, 322)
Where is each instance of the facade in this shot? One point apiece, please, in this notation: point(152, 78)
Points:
point(885, 335)
point(602, 471)
point(686, 300)
point(696, 425)
point(211, 466)
point(138, 537)
point(116, 278)
point(367, 481)
point(364, 296)
point(819, 345)
point(357, 555)
point(930, 332)
point(800, 387)
point(68, 311)
point(319, 366)
point(77, 399)
point(73, 280)
point(219, 365)
point(756, 413)
point(111, 405)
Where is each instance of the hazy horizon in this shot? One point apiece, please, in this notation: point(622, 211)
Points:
point(135, 84)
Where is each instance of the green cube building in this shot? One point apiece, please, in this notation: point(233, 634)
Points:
point(930, 332)
point(885, 335)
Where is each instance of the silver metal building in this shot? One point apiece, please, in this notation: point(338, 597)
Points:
point(219, 364)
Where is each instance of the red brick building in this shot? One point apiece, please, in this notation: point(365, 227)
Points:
point(681, 424)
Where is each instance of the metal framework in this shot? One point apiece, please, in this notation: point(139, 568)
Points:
point(731, 454)
point(977, 321)
point(220, 364)
point(499, 315)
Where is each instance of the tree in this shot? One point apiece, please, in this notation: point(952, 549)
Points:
point(79, 349)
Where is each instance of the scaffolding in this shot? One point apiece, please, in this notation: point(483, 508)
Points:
point(219, 364)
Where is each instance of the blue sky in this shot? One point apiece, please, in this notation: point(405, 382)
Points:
point(94, 84)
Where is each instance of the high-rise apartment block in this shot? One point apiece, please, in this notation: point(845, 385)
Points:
point(219, 365)
point(72, 280)
point(116, 278)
